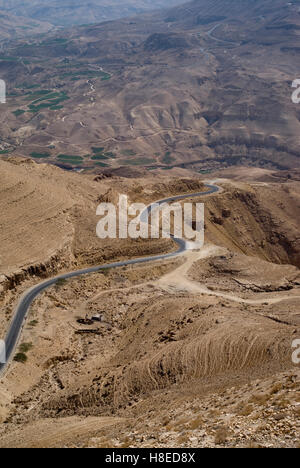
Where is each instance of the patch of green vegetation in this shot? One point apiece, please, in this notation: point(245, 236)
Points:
point(8, 58)
point(97, 149)
point(101, 164)
point(69, 157)
point(168, 159)
point(61, 282)
point(78, 74)
point(128, 152)
point(33, 323)
point(56, 107)
point(106, 77)
point(21, 358)
point(5, 151)
point(34, 109)
point(19, 112)
point(39, 155)
point(99, 157)
point(21, 355)
point(25, 347)
point(37, 94)
point(46, 99)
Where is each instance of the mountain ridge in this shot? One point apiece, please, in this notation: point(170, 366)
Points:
point(162, 90)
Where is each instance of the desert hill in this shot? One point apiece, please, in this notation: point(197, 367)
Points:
point(200, 344)
point(187, 87)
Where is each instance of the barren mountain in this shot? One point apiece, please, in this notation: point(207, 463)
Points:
point(189, 86)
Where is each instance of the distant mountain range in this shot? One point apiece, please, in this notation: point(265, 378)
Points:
point(76, 12)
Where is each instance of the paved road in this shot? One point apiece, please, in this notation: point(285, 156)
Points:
point(30, 295)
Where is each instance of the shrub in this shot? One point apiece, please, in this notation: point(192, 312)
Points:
point(33, 323)
point(61, 282)
point(25, 347)
point(20, 357)
point(221, 436)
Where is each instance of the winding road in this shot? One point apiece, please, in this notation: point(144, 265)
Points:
point(31, 294)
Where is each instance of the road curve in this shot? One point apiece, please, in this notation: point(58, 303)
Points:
point(22, 310)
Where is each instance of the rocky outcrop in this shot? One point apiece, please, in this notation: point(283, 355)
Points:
point(63, 259)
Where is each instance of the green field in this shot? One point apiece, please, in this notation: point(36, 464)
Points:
point(100, 154)
point(70, 159)
point(99, 157)
point(19, 112)
point(44, 99)
point(78, 74)
point(96, 149)
point(8, 59)
point(28, 86)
